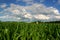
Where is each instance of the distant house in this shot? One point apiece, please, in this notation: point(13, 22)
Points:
point(37, 22)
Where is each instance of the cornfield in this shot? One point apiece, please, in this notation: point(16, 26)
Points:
point(29, 31)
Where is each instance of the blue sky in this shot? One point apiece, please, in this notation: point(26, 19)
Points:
point(54, 3)
point(5, 4)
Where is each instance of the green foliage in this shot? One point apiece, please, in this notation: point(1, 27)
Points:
point(29, 31)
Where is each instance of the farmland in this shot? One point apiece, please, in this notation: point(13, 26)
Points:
point(29, 31)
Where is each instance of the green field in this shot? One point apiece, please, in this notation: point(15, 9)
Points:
point(29, 31)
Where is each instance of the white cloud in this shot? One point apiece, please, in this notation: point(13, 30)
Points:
point(27, 15)
point(41, 16)
point(3, 5)
point(34, 12)
point(58, 17)
point(9, 18)
point(15, 11)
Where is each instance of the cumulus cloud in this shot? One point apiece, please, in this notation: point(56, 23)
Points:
point(9, 18)
point(3, 5)
point(35, 12)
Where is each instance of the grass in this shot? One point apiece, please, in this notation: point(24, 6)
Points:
point(29, 31)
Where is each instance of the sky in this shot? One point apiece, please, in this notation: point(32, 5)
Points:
point(30, 10)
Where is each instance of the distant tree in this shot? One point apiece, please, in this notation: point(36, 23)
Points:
point(0, 21)
point(37, 22)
